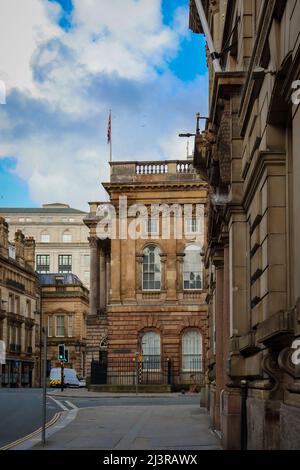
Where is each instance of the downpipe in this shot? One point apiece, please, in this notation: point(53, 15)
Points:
point(244, 430)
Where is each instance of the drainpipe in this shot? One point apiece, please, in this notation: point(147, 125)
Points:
point(244, 433)
point(213, 53)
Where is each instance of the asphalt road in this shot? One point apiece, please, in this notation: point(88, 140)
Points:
point(21, 413)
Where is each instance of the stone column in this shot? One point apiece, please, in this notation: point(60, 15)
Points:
point(108, 276)
point(102, 279)
point(226, 312)
point(139, 273)
point(94, 275)
point(219, 341)
point(116, 271)
point(128, 270)
point(180, 264)
point(171, 275)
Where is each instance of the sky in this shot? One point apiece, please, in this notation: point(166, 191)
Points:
point(64, 65)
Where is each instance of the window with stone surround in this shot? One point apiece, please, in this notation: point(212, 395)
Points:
point(60, 326)
point(192, 351)
point(151, 268)
point(70, 326)
point(43, 264)
point(45, 237)
point(67, 237)
point(28, 308)
point(64, 264)
point(192, 268)
point(151, 349)
point(50, 331)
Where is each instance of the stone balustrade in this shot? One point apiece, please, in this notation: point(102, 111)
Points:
point(167, 170)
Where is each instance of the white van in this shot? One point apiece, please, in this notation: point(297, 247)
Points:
point(70, 378)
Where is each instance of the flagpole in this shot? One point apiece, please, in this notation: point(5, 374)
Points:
point(110, 140)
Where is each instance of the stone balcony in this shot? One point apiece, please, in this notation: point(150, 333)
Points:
point(153, 171)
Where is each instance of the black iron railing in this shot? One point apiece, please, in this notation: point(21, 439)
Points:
point(192, 369)
point(145, 370)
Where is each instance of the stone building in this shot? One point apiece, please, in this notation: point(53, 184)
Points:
point(60, 234)
point(19, 311)
point(147, 294)
point(64, 307)
point(248, 154)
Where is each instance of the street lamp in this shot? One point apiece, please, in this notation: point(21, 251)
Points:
point(198, 117)
point(77, 346)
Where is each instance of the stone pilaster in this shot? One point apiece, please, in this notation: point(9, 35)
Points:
point(219, 341)
point(108, 278)
point(102, 279)
point(94, 275)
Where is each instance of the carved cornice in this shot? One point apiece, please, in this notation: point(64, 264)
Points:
point(225, 85)
point(151, 186)
point(261, 39)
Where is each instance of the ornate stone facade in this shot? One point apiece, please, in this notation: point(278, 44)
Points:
point(19, 311)
point(60, 235)
point(121, 309)
point(248, 154)
point(65, 305)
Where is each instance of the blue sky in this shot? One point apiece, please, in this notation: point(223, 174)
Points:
point(71, 64)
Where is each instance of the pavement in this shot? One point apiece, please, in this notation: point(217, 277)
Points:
point(83, 420)
point(136, 427)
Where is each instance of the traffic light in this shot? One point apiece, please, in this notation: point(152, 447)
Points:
point(66, 355)
point(61, 352)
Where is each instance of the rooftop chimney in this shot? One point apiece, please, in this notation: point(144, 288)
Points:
point(29, 252)
point(3, 237)
point(20, 247)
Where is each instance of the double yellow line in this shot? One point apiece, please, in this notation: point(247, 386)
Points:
point(33, 434)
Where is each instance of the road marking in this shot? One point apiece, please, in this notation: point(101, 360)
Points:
point(33, 434)
point(58, 403)
point(71, 405)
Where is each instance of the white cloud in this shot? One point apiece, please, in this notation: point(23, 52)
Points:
point(55, 123)
point(23, 26)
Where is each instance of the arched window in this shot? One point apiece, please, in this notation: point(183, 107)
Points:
point(192, 268)
point(192, 351)
point(45, 237)
point(151, 349)
point(151, 268)
point(67, 237)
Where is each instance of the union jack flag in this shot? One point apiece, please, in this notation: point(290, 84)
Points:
point(109, 129)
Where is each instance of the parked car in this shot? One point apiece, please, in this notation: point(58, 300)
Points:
point(71, 378)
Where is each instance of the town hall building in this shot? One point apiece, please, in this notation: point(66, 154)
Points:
point(147, 288)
